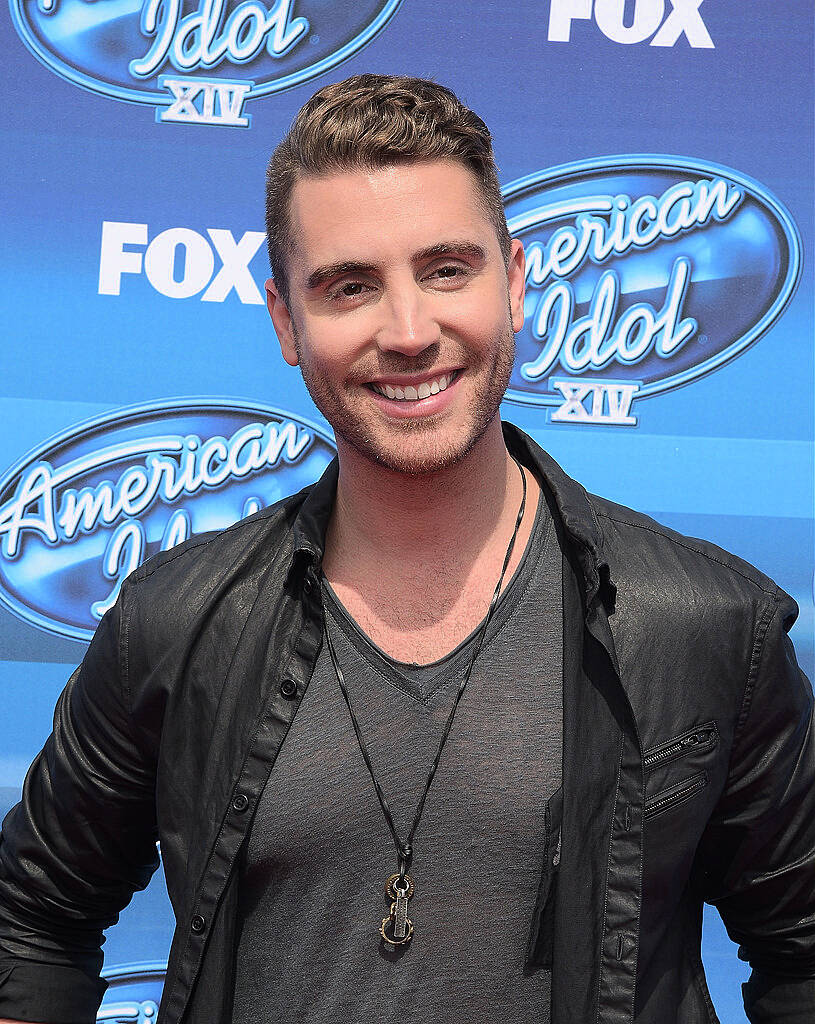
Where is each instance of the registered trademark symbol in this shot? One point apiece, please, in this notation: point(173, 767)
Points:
point(314, 38)
point(703, 339)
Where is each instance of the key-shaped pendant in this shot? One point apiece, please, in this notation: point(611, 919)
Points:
point(397, 922)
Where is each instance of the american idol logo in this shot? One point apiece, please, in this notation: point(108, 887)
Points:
point(133, 994)
point(196, 61)
point(82, 511)
point(643, 274)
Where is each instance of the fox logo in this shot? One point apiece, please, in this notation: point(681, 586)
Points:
point(649, 19)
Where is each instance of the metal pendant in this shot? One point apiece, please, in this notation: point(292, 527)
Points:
point(397, 928)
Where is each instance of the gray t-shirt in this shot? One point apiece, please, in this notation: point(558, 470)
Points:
point(319, 851)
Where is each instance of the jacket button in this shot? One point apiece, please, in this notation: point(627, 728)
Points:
point(241, 802)
point(198, 924)
point(288, 688)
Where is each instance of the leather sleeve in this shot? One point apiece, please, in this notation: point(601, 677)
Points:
point(759, 849)
point(76, 847)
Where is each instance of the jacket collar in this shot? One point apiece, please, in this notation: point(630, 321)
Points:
point(311, 522)
point(569, 498)
point(579, 522)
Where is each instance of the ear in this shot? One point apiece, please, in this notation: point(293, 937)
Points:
point(516, 277)
point(281, 318)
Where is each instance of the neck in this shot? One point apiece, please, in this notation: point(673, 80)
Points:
point(388, 518)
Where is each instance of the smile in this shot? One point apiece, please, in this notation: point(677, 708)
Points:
point(411, 393)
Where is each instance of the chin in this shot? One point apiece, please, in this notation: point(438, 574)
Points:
point(419, 452)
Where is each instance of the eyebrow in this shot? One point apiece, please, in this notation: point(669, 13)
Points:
point(471, 250)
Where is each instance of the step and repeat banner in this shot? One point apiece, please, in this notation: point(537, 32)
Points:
point(657, 162)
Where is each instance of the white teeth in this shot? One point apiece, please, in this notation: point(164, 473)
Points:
point(413, 394)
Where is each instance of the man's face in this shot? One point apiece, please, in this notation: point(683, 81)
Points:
point(398, 287)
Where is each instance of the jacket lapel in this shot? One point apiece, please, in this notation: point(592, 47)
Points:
point(595, 890)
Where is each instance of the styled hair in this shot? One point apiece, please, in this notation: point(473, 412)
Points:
point(371, 121)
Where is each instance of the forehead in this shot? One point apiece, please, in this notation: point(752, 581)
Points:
point(385, 213)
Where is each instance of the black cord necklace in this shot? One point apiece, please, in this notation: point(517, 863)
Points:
point(397, 929)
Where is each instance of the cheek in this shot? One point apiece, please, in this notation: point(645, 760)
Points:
point(481, 323)
point(328, 352)
point(485, 305)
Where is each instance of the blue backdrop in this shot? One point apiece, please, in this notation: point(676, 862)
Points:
point(657, 162)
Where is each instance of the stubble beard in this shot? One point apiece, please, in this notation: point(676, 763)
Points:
point(414, 447)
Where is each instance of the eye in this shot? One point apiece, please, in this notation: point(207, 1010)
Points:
point(452, 272)
point(347, 291)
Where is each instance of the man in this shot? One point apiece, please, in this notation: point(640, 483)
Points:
point(442, 737)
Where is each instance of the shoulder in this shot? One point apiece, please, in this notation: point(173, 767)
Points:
point(644, 557)
point(671, 569)
point(174, 588)
point(694, 625)
point(219, 547)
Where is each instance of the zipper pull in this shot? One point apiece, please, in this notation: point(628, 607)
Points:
point(697, 738)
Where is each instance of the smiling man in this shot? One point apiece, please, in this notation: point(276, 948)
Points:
point(442, 737)
point(430, 282)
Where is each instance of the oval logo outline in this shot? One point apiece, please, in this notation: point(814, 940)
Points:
point(119, 419)
point(157, 98)
point(562, 173)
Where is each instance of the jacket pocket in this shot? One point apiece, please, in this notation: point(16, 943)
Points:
point(694, 741)
point(675, 795)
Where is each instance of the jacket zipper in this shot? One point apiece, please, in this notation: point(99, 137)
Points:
point(702, 738)
point(675, 795)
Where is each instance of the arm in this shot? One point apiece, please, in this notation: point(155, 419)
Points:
point(75, 848)
point(758, 853)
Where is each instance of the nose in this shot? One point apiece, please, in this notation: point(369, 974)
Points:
point(408, 323)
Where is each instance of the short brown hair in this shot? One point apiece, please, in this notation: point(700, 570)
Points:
point(373, 121)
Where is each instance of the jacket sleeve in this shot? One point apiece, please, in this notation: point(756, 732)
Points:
point(759, 849)
point(76, 847)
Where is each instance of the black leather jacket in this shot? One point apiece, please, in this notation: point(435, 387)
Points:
point(689, 763)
